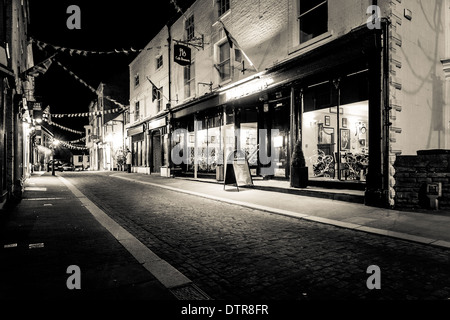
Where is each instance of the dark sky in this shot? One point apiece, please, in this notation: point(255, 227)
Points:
point(105, 26)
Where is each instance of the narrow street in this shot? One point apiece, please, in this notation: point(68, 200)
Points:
point(236, 253)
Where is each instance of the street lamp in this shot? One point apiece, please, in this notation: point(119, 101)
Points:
point(54, 145)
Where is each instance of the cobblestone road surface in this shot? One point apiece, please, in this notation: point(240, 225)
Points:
point(235, 253)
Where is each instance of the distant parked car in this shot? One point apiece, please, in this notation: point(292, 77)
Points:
point(67, 167)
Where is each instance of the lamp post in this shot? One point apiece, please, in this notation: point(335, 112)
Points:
point(55, 143)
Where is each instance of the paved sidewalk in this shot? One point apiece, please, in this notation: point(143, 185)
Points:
point(432, 228)
point(50, 230)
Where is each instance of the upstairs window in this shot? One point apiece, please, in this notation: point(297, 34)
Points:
point(189, 80)
point(136, 111)
point(224, 6)
point(224, 65)
point(136, 80)
point(159, 62)
point(189, 28)
point(159, 99)
point(313, 19)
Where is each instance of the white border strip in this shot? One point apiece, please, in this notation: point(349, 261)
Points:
point(163, 271)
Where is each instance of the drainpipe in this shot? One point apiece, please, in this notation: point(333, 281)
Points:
point(169, 104)
point(387, 107)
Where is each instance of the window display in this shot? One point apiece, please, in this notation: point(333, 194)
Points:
point(343, 157)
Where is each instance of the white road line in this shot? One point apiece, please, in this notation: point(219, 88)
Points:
point(162, 270)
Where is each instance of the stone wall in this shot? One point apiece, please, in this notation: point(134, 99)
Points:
point(413, 173)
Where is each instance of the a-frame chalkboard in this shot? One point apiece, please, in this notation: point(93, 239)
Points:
point(237, 170)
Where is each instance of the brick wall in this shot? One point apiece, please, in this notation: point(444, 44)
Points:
point(413, 173)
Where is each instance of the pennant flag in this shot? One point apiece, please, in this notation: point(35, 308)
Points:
point(233, 43)
point(155, 90)
point(40, 68)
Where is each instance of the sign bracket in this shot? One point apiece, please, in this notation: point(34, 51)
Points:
point(196, 42)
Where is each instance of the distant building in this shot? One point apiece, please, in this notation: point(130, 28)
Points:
point(104, 134)
point(16, 90)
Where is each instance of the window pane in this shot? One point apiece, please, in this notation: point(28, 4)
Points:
point(224, 52)
point(314, 23)
point(306, 5)
point(224, 65)
point(224, 6)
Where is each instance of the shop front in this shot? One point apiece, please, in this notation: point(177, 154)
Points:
point(332, 99)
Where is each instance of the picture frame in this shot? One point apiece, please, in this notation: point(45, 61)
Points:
point(345, 139)
point(344, 122)
point(326, 135)
point(327, 121)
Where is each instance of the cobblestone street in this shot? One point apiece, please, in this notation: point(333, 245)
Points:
point(234, 253)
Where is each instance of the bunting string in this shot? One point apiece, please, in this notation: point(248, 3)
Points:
point(44, 45)
point(85, 114)
point(92, 88)
point(78, 140)
point(72, 146)
point(64, 128)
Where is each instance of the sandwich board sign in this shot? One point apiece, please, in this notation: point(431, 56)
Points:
point(237, 171)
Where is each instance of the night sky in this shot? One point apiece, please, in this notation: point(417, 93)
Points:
point(105, 26)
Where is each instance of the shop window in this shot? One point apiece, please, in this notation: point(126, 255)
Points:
point(189, 80)
point(313, 19)
point(224, 6)
point(224, 65)
point(336, 137)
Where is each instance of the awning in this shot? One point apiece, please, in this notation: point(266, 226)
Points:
point(196, 106)
point(135, 130)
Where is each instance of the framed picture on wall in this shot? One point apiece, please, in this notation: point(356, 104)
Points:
point(345, 139)
point(327, 121)
point(326, 135)
point(344, 122)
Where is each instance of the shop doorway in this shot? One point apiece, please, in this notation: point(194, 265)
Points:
point(156, 152)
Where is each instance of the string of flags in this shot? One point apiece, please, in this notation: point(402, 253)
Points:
point(71, 146)
point(85, 114)
point(44, 45)
point(78, 140)
point(91, 88)
point(64, 128)
point(177, 7)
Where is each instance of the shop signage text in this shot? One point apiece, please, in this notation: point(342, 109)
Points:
point(182, 55)
point(248, 88)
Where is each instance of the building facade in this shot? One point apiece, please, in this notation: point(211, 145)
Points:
point(104, 134)
point(359, 83)
point(16, 89)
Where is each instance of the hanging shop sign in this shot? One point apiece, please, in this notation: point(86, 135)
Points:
point(182, 55)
